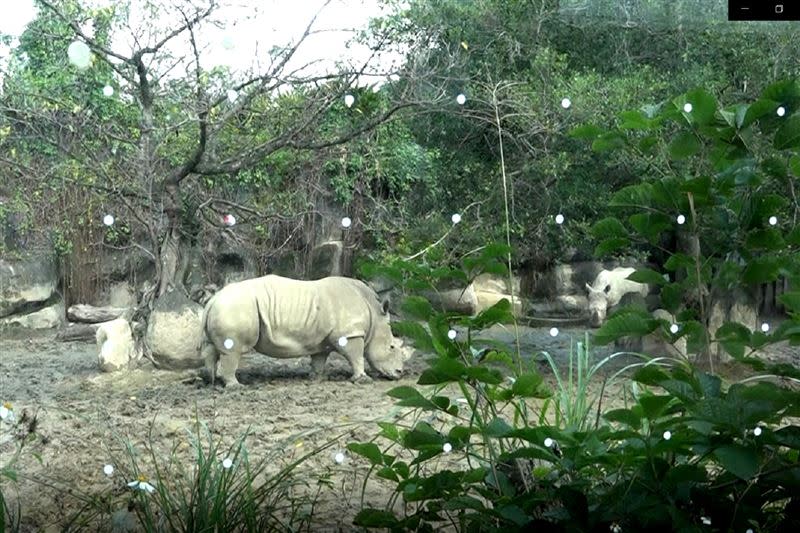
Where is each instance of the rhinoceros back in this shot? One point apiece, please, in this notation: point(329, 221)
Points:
point(301, 317)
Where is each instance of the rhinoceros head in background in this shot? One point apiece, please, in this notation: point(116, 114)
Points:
point(608, 289)
point(385, 352)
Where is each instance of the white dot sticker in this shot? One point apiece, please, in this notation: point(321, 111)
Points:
point(108, 470)
point(108, 220)
point(673, 328)
point(773, 220)
point(559, 218)
point(447, 448)
point(342, 341)
point(565, 103)
point(681, 219)
point(548, 442)
point(232, 95)
point(227, 463)
point(781, 111)
point(553, 332)
point(461, 99)
point(349, 100)
point(346, 222)
point(79, 54)
point(451, 334)
point(339, 457)
point(757, 432)
point(228, 344)
point(687, 107)
point(456, 218)
point(667, 435)
point(108, 90)
point(765, 327)
point(229, 220)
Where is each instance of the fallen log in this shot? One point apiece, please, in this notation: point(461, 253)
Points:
point(92, 315)
point(77, 332)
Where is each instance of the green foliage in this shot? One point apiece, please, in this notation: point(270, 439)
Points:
point(686, 451)
point(728, 181)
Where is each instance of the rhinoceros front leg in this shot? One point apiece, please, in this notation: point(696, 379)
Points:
point(354, 352)
point(318, 366)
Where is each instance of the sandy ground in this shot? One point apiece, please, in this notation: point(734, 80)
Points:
point(83, 417)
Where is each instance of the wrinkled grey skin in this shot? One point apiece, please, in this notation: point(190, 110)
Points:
point(608, 289)
point(288, 318)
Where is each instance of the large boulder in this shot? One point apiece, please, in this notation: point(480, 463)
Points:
point(116, 349)
point(27, 284)
point(457, 300)
point(174, 332)
point(49, 317)
point(490, 289)
point(120, 294)
point(326, 260)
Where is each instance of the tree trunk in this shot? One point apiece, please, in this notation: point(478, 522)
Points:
point(78, 332)
point(92, 314)
point(170, 253)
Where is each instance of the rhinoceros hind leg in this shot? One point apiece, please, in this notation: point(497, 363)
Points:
point(318, 366)
point(354, 352)
point(229, 362)
point(211, 356)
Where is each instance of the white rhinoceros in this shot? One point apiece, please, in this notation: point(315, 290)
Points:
point(288, 318)
point(608, 289)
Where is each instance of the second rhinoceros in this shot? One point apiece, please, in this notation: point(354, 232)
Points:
point(288, 318)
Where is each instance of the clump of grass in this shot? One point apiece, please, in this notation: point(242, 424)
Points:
point(573, 400)
point(217, 488)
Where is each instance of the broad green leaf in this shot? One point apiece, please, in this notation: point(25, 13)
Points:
point(416, 332)
point(608, 228)
point(684, 145)
point(444, 370)
point(375, 518)
point(633, 196)
point(790, 300)
point(530, 385)
point(484, 375)
point(418, 307)
point(788, 135)
point(369, 450)
point(499, 313)
point(755, 111)
point(634, 324)
point(654, 406)
point(611, 245)
point(762, 270)
point(585, 131)
point(788, 436)
point(764, 239)
point(498, 427)
point(623, 416)
point(704, 106)
point(607, 142)
point(650, 225)
point(650, 375)
point(647, 275)
point(740, 461)
point(634, 120)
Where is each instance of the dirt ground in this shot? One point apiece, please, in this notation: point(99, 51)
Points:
point(83, 416)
